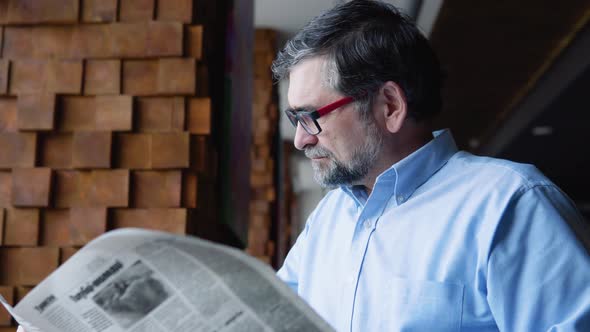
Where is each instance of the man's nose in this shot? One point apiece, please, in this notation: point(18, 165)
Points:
point(303, 138)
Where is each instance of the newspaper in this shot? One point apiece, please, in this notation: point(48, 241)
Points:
point(140, 280)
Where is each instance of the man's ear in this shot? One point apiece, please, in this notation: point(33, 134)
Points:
point(396, 107)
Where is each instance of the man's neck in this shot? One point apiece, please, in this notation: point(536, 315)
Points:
point(393, 152)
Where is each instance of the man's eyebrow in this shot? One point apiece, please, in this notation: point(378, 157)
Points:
point(304, 108)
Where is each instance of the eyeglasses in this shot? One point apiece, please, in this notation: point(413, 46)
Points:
point(308, 117)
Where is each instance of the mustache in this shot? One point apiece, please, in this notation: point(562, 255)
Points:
point(317, 152)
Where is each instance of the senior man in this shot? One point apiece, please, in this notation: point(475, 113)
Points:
point(416, 235)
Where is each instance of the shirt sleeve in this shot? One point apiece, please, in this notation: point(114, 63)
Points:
point(289, 272)
point(538, 272)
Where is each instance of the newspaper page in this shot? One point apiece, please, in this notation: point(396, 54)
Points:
point(140, 280)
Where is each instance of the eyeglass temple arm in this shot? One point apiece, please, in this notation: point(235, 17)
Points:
point(330, 107)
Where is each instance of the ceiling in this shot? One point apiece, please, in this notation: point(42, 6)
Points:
point(518, 76)
point(288, 16)
point(518, 83)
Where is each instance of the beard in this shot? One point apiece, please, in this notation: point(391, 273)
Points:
point(337, 172)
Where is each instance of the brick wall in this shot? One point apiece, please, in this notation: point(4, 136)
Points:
point(263, 150)
point(104, 123)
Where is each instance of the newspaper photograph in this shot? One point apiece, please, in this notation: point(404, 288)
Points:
point(140, 280)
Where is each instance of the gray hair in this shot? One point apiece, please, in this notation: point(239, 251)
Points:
point(367, 43)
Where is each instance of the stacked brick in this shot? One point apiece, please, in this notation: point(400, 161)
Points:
point(264, 132)
point(102, 126)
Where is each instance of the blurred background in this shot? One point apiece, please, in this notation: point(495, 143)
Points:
point(163, 114)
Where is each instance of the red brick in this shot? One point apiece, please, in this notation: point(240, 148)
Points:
point(140, 77)
point(167, 220)
point(91, 149)
point(262, 207)
point(69, 188)
point(4, 65)
point(167, 194)
point(3, 11)
point(8, 111)
point(114, 113)
point(39, 76)
point(94, 41)
point(26, 266)
point(257, 240)
point(18, 149)
point(164, 39)
point(134, 151)
point(56, 228)
point(194, 41)
point(263, 152)
point(18, 42)
point(90, 41)
point(177, 76)
point(27, 77)
point(108, 188)
point(160, 114)
point(102, 77)
point(64, 76)
point(262, 125)
point(170, 150)
point(56, 150)
point(199, 116)
point(261, 221)
point(136, 10)
point(128, 39)
point(175, 10)
point(86, 224)
point(47, 11)
point(51, 42)
point(66, 253)
point(99, 10)
point(5, 190)
point(258, 165)
point(189, 190)
point(77, 114)
point(31, 187)
point(100, 188)
point(7, 293)
point(36, 112)
point(22, 227)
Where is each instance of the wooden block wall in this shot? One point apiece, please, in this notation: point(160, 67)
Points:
point(103, 124)
point(264, 131)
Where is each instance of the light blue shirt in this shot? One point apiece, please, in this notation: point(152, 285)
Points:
point(447, 241)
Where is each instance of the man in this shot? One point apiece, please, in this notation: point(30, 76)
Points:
point(417, 236)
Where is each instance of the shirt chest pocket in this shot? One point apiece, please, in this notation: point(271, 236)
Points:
point(423, 306)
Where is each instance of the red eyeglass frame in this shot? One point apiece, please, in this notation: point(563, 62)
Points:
point(297, 115)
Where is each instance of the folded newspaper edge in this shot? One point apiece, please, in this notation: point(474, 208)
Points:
point(142, 280)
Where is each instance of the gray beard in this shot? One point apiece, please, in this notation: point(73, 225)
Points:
point(337, 172)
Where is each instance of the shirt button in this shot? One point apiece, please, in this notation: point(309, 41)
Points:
point(368, 224)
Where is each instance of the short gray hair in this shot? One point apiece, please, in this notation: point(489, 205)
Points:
point(367, 43)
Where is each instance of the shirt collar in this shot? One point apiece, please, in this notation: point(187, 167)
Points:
point(405, 176)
